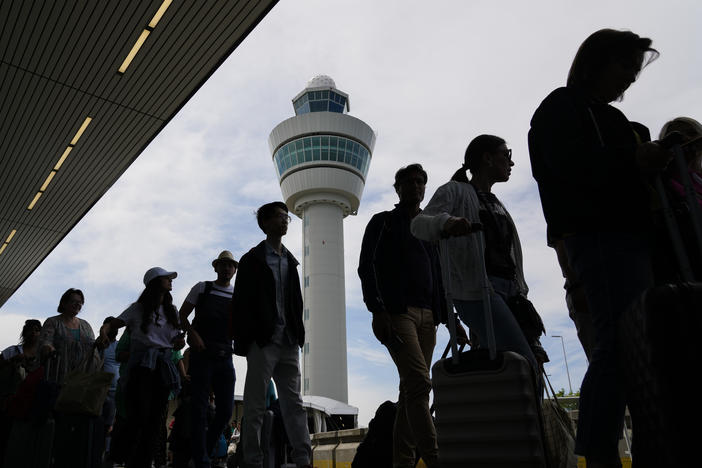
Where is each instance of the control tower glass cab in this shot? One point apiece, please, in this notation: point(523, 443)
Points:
point(321, 157)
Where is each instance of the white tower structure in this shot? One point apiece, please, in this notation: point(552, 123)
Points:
point(322, 157)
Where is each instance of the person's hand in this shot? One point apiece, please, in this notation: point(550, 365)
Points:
point(652, 157)
point(186, 377)
point(47, 350)
point(178, 342)
point(461, 336)
point(455, 227)
point(382, 326)
point(195, 341)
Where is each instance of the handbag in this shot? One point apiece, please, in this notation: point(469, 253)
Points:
point(84, 392)
point(527, 317)
point(559, 433)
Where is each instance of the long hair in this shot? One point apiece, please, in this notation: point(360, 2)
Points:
point(27, 330)
point(601, 48)
point(150, 302)
point(473, 157)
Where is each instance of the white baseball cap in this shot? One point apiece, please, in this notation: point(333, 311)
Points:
point(155, 272)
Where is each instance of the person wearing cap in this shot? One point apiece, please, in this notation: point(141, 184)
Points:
point(268, 330)
point(150, 374)
point(211, 364)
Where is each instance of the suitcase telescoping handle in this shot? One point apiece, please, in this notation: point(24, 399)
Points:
point(485, 292)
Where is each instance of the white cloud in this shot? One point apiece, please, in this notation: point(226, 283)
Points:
point(362, 349)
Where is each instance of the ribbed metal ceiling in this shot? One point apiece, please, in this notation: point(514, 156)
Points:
point(59, 65)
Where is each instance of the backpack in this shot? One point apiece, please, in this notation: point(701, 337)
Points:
point(375, 451)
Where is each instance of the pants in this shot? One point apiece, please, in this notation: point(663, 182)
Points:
point(217, 374)
point(282, 362)
point(576, 301)
point(414, 426)
point(508, 334)
point(109, 409)
point(615, 269)
point(146, 397)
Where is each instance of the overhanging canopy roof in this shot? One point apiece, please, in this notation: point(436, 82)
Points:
point(71, 123)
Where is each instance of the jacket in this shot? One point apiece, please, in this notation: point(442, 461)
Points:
point(253, 308)
point(382, 266)
point(583, 159)
point(463, 275)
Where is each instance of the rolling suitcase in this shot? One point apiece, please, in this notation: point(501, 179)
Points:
point(486, 402)
point(658, 336)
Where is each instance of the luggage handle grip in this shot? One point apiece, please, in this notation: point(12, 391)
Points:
point(485, 289)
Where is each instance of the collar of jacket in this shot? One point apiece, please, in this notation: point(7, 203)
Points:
point(260, 253)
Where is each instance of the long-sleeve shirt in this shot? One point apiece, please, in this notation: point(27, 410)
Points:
point(464, 274)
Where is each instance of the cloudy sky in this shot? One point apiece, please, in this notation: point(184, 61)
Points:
point(428, 77)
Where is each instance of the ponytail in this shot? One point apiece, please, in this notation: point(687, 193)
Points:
point(472, 159)
point(461, 175)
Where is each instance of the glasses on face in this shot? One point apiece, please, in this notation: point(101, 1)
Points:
point(507, 154)
point(78, 303)
point(285, 217)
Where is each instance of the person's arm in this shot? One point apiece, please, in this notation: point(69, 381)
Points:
point(122, 348)
point(240, 306)
point(181, 370)
point(185, 311)
point(381, 325)
point(108, 328)
point(194, 339)
point(366, 263)
point(46, 337)
point(435, 222)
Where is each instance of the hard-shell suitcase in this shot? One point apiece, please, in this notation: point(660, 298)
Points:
point(658, 336)
point(658, 351)
point(486, 402)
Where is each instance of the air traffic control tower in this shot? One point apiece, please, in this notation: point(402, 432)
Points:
point(322, 157)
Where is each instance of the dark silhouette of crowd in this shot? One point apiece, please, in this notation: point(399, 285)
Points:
point(70, 399)
point(621, 214)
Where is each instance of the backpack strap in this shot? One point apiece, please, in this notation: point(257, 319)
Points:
point(208, 288)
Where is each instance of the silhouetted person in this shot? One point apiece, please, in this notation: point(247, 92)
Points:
point(401, 282)
point(453, 213)
point(268, 330)
point(150, 375)
point(210, 364)
point(590, 164)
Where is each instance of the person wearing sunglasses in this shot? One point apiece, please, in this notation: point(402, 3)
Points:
point(458, 209)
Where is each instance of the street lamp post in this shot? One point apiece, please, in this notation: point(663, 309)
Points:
point(565, 358)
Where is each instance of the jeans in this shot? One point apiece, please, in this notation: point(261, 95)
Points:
point(615, 269)
point(217, 374)
point(282, 362)
point(413, 423)
point(508, 334)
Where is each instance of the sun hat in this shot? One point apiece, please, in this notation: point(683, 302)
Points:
point(155, 272)
point(225, 255)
